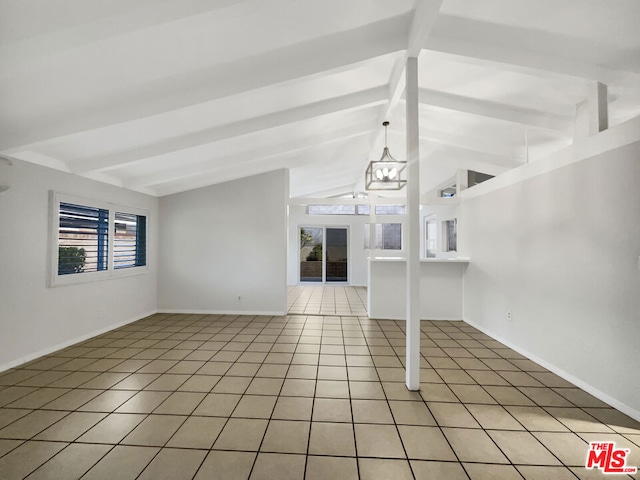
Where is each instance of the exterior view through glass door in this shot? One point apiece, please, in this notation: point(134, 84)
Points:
point(336, 257)
point(323, 254)
point(311, 240)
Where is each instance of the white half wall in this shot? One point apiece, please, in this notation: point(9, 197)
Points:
point(226, 241)
point(561, 251)
point(36, 319)
point(440, 289)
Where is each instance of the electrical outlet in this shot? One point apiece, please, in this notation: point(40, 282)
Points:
point(509, 316)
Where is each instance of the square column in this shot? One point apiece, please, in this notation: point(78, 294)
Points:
point(412, 234)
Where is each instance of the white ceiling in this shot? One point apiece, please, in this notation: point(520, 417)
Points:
point(163, 96)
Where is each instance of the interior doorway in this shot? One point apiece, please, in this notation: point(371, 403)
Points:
point(324, 253)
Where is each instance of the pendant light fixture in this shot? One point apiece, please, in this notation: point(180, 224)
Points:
point(386, 173)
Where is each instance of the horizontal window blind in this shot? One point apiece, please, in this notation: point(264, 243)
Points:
point(83, 238)
point(130, 240)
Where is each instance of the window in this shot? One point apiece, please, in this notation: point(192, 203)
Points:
point(331, 210)
point(130, 240)
point(83, 238)
point(391, 236)
point(364, 209)
point(95, 240)
point(390, 209)
point(357, 209)
point(451, 232)
point(360, 209)
point(388, 236)
point(430, 237)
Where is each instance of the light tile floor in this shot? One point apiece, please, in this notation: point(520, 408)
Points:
point(315, 397)
point(327, 300)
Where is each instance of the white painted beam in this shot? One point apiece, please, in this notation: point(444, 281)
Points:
point(458, 152)
point(499, 111)
point(424, 16)
point(598, 108)
point(121, 18)
point(310, 59)
point(483, 145)
point(453, 157)
point(503, 44)
point(228, 172)
point(455, 163)
point(216, 175)
point(355, 101)
point(263, 154)
point(412, 227)
point(321, 190)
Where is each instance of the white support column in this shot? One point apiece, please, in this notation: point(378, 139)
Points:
point(412, 231)
point(598, 108)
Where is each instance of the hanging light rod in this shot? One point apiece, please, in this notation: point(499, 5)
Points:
point(386, 173)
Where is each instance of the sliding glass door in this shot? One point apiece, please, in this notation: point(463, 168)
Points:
point(323, 254)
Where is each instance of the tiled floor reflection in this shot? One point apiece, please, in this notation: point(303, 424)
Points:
point(206, 396)
point(327, 300)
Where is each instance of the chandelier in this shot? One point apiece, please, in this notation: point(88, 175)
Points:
point(386, 173)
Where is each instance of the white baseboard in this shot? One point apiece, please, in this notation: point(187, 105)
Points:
point(68, 343)
point(624, 408)
point(221, 312)
point(441, 319)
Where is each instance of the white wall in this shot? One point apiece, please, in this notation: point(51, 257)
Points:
point(36, 319)
point(561, 251)
point(225, 241)
point(357, 254)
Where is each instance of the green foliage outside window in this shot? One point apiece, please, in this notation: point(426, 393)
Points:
point(316, 254)
point(71, 260)
point(305, 238)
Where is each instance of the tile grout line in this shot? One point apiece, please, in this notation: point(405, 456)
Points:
point(264, 325)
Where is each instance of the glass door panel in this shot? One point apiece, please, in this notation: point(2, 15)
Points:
point(336, 255)
point(311, 239)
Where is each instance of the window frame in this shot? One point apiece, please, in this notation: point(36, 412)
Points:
point(139, 233)
point(447, 238)
point(56, 280)
point(430, 220)
point(380, 247)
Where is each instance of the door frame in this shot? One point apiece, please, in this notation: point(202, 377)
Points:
point(324, 227)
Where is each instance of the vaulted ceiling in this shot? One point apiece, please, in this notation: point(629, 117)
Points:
point(163, 96)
